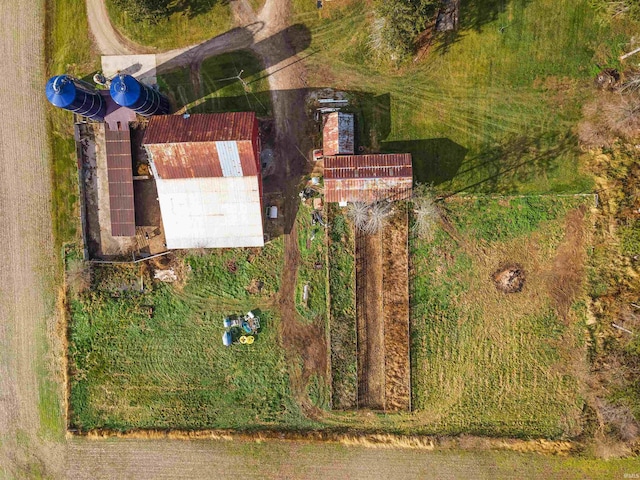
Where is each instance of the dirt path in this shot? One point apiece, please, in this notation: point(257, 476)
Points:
point(565, 281)
point(27, 268)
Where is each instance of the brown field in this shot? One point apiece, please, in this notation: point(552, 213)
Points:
point(396, 313)
point(382, 310)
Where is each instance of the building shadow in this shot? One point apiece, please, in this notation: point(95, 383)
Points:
point(435, 160)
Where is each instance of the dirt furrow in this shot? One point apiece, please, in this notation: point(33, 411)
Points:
point(370, 322)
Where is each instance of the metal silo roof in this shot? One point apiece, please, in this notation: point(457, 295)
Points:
point(125, 90)
point(61, 91)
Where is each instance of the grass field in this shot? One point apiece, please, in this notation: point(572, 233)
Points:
point(216, 94)
point(207, 20)
point(488, 362)
point(342, 322)
point(485, 111)
point(169, 368)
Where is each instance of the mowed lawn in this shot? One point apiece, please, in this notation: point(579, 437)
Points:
point(168, 369)
point(495, 363)
point(489, 110)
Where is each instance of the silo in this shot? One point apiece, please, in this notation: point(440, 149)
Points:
point(128, 92)
point(71, 94)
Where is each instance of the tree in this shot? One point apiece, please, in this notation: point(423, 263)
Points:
point(399, 22)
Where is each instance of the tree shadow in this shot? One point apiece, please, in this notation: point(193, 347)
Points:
point(516, 160)
point(474, 15)
point(297, 37)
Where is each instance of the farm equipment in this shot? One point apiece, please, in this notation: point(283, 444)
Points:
point(240, 329)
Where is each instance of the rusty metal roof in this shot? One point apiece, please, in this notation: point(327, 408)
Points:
point(368, 166)
point(368, 178)
point(229, 149)
point(367, 190)
point(120, 176)
point(338, 134)
point(202, 127)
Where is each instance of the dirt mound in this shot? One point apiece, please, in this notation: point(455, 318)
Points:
point(509, 278)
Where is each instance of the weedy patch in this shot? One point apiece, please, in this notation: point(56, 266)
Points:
point(496, 364)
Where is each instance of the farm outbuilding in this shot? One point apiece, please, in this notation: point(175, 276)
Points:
point(338, 134)
point(207, 171)
point(368, 178)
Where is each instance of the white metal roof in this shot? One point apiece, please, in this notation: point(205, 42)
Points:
point(222, 212)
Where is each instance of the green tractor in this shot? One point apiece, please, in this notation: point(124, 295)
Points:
point(240, 329)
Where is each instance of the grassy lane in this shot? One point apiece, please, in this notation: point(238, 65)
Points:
point(342, 310)
point(68, 52)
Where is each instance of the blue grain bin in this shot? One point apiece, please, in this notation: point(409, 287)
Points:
point(69, 93)
point(126, 91)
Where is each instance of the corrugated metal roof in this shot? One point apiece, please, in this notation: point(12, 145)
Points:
point(368, 178)
point(120, 176)
point(202, 127)
point(338, 134)
point(221, 212)
point(197, 153)
point(368, 166)
point(229, 159)
point(367, 190)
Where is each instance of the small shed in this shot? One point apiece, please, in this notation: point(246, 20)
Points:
point(368, 178)
point(338, 134)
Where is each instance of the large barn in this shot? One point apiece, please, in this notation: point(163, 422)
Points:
point(368, 178)
point(207, 171)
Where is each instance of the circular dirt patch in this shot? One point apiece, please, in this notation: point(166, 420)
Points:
point(509, 278)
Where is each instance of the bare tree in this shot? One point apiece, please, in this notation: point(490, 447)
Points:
point(426, 211)
point(632, 82)
point(369, 218)
point(623, 115)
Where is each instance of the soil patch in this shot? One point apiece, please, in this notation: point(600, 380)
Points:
point(509, 278)
point(370, 321)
